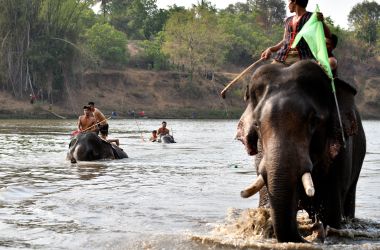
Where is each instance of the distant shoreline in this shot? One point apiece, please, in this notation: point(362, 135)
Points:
point(203, 116)
point(214, 114)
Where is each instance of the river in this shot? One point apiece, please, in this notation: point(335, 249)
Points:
point(164, 196)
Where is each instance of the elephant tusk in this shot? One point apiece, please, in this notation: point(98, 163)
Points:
point(307, 182)
point(253, 188)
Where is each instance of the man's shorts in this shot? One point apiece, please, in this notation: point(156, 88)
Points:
point(292, 57)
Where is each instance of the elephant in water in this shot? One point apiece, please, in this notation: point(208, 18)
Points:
point(89, 147)
point(167, 139)
point(303, 162)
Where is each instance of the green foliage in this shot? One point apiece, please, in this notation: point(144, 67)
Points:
point(139, 19)
point(155, 23)
point(107, 43)
point(203, 37)
point(128, 16)
point(270, 12)
point(153, 54)
point(194, 39)
point(365, 18)
point(40, 37)
point(87, 19)
point(246, 37)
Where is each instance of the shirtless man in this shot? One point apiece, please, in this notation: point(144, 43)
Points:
point(101, 119)
point(162, 130)
point(86, 122)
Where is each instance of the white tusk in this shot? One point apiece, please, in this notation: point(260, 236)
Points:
point(253, 188)
point(307, 182)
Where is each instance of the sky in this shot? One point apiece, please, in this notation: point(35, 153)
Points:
point(338, 10)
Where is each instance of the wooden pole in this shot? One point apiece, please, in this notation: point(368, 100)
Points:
point(96, 124)
point(223, 93)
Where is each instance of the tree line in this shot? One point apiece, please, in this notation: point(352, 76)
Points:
point(46, 45)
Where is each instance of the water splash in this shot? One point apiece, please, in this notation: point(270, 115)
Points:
point(252, 228)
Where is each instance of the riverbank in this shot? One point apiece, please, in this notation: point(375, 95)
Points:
point(164, 94)
point(170, 94)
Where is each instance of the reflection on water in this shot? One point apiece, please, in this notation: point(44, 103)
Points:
point(164, 195)
point(90, 170)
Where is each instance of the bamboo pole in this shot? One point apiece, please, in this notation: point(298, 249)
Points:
point(223, 93)
point(96, 124)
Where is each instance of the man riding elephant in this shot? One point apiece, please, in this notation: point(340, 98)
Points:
point(293, 25)
point(164, 134)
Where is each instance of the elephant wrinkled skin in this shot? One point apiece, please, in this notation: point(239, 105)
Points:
point(291, 120)
point(89, 147)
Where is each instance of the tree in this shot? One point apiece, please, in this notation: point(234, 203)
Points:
point(364, 17)
point(193, 39)
point(136, 18)
point(38, 43)
point(155, 22)
point(238, 8)
point(153, 54)
point(270, 12)
point(108, 44)
point(246, 37)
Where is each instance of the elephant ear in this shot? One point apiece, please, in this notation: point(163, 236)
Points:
point(345, 94)
point(346, 99)
point(118, 152)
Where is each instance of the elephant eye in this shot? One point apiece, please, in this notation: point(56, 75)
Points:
point(256, 125)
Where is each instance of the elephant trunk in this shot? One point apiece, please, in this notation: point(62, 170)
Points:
point(282, 196)
point(283, 173)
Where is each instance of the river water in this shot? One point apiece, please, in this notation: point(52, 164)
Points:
point(165, 196)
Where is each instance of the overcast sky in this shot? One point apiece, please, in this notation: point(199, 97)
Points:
point(338, 10)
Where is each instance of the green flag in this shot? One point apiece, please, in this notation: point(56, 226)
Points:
point(314, 35)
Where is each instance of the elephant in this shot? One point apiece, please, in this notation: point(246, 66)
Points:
point(89, 147)
point(167, 139)
point(306, 159)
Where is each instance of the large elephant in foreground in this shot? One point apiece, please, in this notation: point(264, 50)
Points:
point(89, 147)
point(303, 162)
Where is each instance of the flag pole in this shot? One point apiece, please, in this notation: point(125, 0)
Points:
point(338, 111)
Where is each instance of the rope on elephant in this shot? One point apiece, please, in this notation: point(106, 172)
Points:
point(138, 127)
point(217, 93)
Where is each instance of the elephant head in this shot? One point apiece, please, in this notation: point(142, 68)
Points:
point(290, 111)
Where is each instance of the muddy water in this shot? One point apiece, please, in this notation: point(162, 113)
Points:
point(178, 196)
